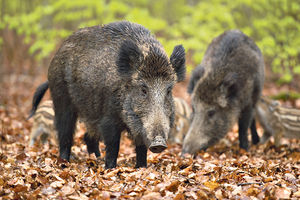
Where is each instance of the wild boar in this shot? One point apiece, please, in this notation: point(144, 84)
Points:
point(224, 89)
point(114, 77)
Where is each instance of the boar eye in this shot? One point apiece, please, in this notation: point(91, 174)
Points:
point(169, 90)
point(144, 90)
point(211, 113)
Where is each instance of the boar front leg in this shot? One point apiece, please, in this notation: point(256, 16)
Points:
point(254, 135)
point(141, 156)
point(277, 137)
point(36, 132)
point(245, 120)
point(111, 135)
point(141, 152)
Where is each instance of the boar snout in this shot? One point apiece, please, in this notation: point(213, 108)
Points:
point(158, 145)
point(193, 149)
point(196, 139)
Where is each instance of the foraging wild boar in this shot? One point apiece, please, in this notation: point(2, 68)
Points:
point(224, 89)
point(276, 120)
point(114, 77)
point(182, 121)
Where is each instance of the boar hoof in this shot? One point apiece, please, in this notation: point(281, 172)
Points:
point(92, 145)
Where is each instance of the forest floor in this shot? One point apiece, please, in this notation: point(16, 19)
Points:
point(222, 172)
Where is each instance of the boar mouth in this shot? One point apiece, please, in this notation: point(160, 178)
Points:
point(194, 152)
point(193, 149)
point(158, 145)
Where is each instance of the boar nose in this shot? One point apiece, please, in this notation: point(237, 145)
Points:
point(184, 150)
point(157, 148)
point(158, 145)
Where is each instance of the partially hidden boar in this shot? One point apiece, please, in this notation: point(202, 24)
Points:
point(43, 125)
point(182, 121)
point(114, 77)
point(277, 120)
point(224, 89)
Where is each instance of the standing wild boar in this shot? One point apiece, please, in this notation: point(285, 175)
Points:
point(225, 89)
point(114, 77)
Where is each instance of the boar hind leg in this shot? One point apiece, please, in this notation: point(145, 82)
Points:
point(141, 156)
point(254, 135)
point(244, 123)
point(92, 144)
point(65, 121)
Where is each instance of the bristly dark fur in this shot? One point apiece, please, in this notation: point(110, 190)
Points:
point(196, 75)
point(177, 59)
point(231, 85)
point(100, 74)
point(38, 95)
point(233, 81)
point(126, 29)
point(158, 64)
point(130, 57)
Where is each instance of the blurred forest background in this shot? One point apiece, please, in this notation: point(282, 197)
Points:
point(31, 30)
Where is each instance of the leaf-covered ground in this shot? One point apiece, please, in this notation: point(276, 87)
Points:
point(222, 172)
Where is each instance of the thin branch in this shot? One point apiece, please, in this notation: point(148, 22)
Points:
point(243, 184)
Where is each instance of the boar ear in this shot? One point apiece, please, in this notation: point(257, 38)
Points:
point(130, 57)
point(228, 89)
point(196, 75)
point(178, 62)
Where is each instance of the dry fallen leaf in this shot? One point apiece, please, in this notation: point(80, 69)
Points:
point(212, 185)
point(179, 197)
point(282, 193)
point(152, 196)
point(173, 187)
point(297, 194)
point(67, 190)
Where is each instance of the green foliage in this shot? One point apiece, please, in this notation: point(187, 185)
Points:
point(273, 24)
point(286, 96)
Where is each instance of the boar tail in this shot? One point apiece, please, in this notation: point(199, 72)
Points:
point(37, 97)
